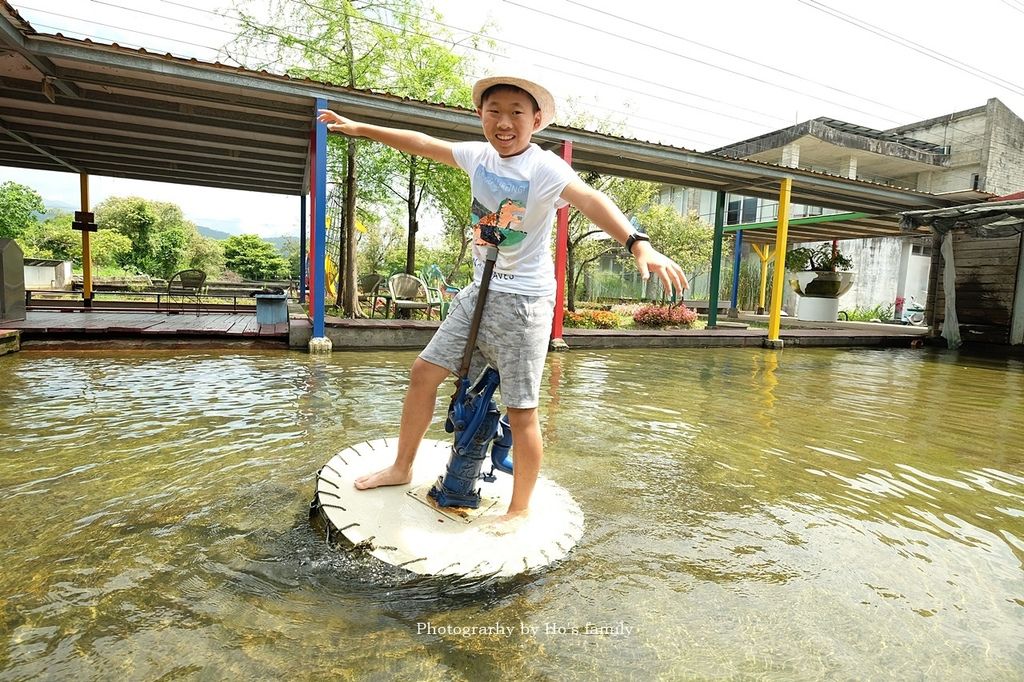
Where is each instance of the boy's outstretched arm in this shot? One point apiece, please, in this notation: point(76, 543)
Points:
point(603, 212)
point(408, 141)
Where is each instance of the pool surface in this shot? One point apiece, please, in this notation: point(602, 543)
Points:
point(801, 514)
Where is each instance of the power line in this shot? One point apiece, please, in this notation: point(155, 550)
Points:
point(377, 23)
point(916, 47)
point(686, 57)
point(501, 56)
point(1014, 6)
point(705, 46)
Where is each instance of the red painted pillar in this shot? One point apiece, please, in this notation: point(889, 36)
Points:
point(310, 260)
point(561, 257)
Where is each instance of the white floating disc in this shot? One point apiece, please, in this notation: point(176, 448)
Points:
point(402, 526)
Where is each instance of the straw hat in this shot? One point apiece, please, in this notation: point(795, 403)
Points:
point(544, 99)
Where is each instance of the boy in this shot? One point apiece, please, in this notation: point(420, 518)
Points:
point(516, 189)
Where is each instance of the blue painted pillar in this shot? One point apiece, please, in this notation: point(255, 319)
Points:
point(716, 260)
point(736, 260)
point(319, 222)
point(302, 249)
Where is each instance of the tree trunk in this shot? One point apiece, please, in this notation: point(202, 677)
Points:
point(410, 250)
point(351, 303)
point(351, 295)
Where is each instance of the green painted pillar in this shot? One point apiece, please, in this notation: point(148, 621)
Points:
point(716, 260)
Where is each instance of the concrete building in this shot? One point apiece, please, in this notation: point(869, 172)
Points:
point(977, 153)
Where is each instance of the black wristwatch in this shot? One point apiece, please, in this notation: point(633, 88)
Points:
point(634, 238)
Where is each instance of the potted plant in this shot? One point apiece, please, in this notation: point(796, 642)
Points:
point(820, 275)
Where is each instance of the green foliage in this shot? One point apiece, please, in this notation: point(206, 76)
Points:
point(109, 248)
point(253, 258)
point(749, 287)
point(685, 239)
point(387, 47)
point(589, 318)
point(665, 316)
point(53, 238)
point(821, 258)
point(159, 233)
point(584, 252)
point(878, 312)
point(17, 204)
point(203, 253)
point(289, 250)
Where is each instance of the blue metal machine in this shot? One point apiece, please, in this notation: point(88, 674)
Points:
point(475, 421)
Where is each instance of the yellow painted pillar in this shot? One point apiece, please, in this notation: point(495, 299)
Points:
point(86, 252)
point(781, 234)
point(763, 253)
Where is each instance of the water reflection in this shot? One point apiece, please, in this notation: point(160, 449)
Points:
point(801, 513)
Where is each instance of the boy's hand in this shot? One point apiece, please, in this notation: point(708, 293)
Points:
point(648, 260)
point(336, 123)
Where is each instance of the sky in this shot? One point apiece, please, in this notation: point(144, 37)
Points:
point(698, 75)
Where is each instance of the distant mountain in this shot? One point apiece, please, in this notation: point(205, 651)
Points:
point(53, 205)
point(219, 235)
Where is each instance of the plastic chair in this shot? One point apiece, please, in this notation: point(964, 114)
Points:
point(187, 285)
point(442, 291)
point(409, 292)
point(373, 289)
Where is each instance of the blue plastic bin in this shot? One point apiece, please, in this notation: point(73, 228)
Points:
point(271, 308)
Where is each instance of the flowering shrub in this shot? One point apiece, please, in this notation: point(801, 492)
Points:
point(591, 319)
point(665, 316)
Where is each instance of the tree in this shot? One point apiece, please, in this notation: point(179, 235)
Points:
point(161, 237)
point(203, 253)
point(378, 45)
point(583, 251)
point(53, 238)
point(17, 204)
point(253, 258)
point(687, 240)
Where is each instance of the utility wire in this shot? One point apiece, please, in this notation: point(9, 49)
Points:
point(916, 47)
point(358, 18)
point(705, 46)
point(680, 55)
point(657, 47)
point(502, 56)
point(1014, 6)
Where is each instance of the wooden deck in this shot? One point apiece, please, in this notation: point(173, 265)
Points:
point(150, 327)
point(47, 324)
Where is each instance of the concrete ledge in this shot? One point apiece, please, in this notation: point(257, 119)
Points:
point(10, 341)
point(363, 334)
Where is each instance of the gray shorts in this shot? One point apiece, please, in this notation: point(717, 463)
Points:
point(513, 338)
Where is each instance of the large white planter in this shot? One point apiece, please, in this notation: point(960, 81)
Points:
point(819, 293)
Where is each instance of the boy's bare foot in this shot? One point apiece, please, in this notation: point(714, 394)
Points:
point(507, 523)
point(391, 476)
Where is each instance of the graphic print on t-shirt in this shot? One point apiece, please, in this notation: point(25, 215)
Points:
point(498, 208)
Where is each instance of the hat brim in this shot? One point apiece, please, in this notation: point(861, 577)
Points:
point(544, 99)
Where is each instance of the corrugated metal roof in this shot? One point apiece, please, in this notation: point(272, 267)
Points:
point(81, 106)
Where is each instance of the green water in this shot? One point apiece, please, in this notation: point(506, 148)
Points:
point(797, 515)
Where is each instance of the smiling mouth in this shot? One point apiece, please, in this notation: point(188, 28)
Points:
point(505, 138)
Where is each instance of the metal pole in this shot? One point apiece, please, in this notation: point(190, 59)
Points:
point(83, 180)
point(561, 259)
point(778, 281)
point(716, 260)
point(319, 180)
point(737, 260)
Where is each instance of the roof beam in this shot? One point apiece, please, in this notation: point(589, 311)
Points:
point(27, 141)
point(10, 35)
point(236, 137)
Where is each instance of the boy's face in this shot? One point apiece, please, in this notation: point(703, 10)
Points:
point(508, 120)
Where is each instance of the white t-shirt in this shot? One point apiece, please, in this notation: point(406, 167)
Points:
point(514, 202)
